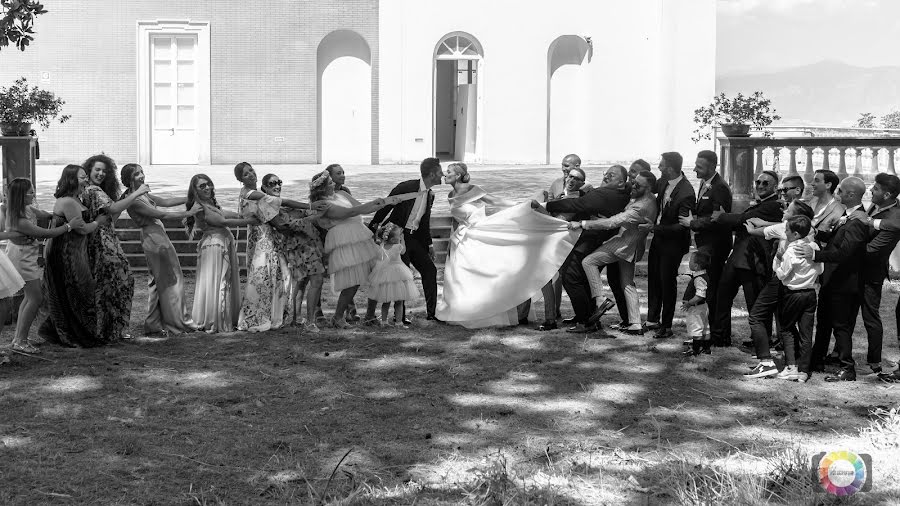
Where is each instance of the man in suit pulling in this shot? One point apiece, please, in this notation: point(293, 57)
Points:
point(607, 200)
point(414, 216)
point(670, 242)
point(712, 237)
point(844, 256)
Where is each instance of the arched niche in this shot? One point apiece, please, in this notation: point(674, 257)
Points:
point(567, 96)
point(344, 99)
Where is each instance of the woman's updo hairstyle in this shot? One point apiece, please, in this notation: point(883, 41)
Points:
point(461, 170)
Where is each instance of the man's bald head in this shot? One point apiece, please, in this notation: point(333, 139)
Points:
point(852, 190)
point(571, 161)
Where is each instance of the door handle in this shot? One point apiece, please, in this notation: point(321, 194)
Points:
point(172, 132)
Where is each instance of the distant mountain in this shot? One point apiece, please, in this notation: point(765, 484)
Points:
point(824, 93)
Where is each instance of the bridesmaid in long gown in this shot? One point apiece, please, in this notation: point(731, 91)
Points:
point(115, 284)
point(69, 284)
point(24, 252)
point(166, 312)
point(496, 262)
point(217, 295)
point(267, 293)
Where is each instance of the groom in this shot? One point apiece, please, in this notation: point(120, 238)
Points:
point(414, 216)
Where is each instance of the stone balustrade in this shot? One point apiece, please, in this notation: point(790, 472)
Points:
point(743, 158)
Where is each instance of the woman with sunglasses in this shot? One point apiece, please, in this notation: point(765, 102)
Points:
point(217, 295)
point(298, 239)
point(166, 312)
point(267, 293)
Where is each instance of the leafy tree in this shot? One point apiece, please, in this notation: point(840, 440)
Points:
point(16, 21)
point(865, 120)
point(891, 120)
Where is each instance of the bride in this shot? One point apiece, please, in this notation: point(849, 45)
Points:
point(496, 262)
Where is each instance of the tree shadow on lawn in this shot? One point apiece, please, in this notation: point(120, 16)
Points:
point(267, 417)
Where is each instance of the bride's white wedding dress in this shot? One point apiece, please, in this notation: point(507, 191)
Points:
point(497, 262)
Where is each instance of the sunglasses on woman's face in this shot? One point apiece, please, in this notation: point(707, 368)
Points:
point(203, 186)
point(273, 183)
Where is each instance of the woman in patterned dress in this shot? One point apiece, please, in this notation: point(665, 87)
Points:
point(115, 284)
point(166, 312)
point(217, 295)
point(24, 252)
point(297, 238)
point(267, 293)
point(69, 283)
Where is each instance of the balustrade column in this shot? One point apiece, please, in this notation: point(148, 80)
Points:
point(857, 168)
point(842, 163)
point(874, 168)
point(890, 167)
point(825, 152)
point(808, 172)
point(792, 166)
point(759, 162)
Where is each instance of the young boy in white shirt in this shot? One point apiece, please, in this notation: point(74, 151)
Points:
point(797, 307)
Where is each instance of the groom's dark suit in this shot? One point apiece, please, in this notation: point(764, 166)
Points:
point(417, 242)
point(597, 202)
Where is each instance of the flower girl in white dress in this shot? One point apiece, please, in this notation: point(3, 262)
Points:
point(391, 280)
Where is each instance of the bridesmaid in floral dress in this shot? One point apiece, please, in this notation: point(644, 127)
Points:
point(115, 284)
point(69, 283)
point(267, 293)
point(24, 252)
point(217, 295)
point(297, 238)
point(166, 312)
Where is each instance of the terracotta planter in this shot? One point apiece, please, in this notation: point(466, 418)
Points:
point(15, 129)
point(735, 130)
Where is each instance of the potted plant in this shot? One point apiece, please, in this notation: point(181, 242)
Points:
point(734, 115)
point(20, 106)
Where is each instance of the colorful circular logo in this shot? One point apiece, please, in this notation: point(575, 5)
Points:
point(842, 473)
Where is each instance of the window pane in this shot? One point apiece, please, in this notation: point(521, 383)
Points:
point(185, 72)
point(162, 94)
point(186, 94)
point(162, 72)
point(162, 116)
point(185, 116)
point(162, 48)
point(185, 48)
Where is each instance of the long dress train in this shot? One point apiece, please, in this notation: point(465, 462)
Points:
point(217, 296)
point(497, 262)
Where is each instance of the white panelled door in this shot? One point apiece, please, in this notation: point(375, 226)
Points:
point(173, 100)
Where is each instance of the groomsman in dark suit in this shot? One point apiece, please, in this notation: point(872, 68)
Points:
point(844, 255)
point(875, 270)
point(714, 238)
point(607, 200)
point(749, 265)
point(414, 216)
point(671, 240)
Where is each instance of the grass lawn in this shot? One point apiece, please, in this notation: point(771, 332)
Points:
point(430, 415)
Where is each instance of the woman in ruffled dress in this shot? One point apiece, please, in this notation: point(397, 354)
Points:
point(348, 244)
point(166, 311)
point(10, 283)
point(267, 293)
point(24, 252)
point(115, 284)
point(69, 281)
point(217, 295)
point(296, 238)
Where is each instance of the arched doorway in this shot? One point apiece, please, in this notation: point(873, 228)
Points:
point(567, 97)
point(344, 99)
point(457, 97)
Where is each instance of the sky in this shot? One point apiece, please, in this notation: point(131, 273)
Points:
point(763, 35)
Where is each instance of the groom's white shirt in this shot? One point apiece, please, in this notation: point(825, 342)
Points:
point(418, 210)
